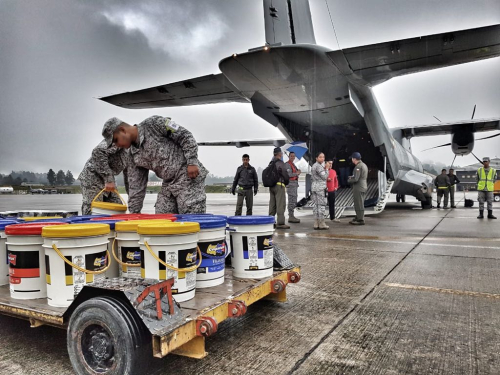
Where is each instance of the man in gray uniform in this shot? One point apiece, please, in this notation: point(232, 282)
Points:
point(453, 181)
point(358, 181)
point(442, 183)
point(160, 145)
point(486, 177)
point(277, 201)
point(293, 185)
point(99, 173)
point(246, 178)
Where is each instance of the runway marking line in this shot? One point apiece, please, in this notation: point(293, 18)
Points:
point(444, 290)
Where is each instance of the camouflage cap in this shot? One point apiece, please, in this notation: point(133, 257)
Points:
point(109, 128)
point(486, 158)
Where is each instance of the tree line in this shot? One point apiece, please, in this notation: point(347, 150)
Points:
point(50, 178)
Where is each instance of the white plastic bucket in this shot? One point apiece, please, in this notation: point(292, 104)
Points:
point(107, 208)
point(128, 252)
point(4, 261)
point(213, 247)
point(251, 246)
point(86, 259)
point(171, 250)
point(26, 260)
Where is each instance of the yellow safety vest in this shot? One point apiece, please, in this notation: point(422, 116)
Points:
point(486, 180)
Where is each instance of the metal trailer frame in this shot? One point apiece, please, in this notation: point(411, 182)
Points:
point(175, 328)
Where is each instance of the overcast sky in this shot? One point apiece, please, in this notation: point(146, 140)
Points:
point(56, 57)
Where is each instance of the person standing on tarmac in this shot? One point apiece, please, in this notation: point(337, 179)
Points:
point(453, 181)
point(99, 173)
point(293, 185)
point(442, 183)
point(359, 187)
point(246, 178)
point(277, 200)
point(319, 175)
point(332, 184)
point(486, 177)
point(160, 145)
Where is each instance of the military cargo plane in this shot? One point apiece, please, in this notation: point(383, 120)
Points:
point(326, 97)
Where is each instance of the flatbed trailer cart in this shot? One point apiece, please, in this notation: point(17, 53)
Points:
point(112, 325)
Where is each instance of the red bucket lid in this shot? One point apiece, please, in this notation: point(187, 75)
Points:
point(170, 217)
point(31, 229)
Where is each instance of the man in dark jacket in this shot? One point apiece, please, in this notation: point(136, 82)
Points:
point(453, 181)
point(442, 183)
point(277, 201)
point(246, 178)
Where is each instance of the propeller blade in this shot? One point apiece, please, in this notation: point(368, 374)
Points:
point(491, 136)
point(446, 144)
point(473, 112)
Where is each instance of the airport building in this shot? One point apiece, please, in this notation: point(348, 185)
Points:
point(467, 175)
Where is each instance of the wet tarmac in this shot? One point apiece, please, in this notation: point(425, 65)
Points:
point(411, 292)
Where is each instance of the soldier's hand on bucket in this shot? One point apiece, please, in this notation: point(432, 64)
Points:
point(193, 171)
point(110, 186)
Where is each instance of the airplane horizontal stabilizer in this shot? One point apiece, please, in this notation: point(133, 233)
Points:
point(482, 125)
point(246, 143)
point(377, 63)
point(208, 89)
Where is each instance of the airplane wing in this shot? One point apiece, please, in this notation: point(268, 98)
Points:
point(376, 63)
point(441, 128)
point(246, 143)
point(202, 90)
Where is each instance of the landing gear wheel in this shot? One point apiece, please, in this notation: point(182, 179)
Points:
point(106, 337)
point(427, 204)
point(400, 198)
point(496, 198)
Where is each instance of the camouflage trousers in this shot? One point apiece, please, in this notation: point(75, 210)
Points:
point(291, 190)
point(90, 192)
point(191, 199)
point(485, 196)
point(319, 203)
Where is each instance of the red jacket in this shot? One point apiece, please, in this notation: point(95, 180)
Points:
point(333, 184)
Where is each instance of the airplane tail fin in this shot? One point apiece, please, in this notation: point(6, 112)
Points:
point(288, 22)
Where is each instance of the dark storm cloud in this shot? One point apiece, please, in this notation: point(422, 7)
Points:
point(56, 57)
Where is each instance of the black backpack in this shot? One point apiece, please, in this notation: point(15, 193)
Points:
point(270, 175)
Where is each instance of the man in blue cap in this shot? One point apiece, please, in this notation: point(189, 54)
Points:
point(358, 181)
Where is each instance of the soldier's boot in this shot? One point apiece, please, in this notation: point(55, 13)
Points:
point(316, 224)
point(481, 214)
point(439, 205)
point(322, 224)
point(292, 218)
point(490, 215)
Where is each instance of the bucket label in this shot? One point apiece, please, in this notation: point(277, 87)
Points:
point(130, 255)
point(23, 264)
point(185, 258)
point(258, 247)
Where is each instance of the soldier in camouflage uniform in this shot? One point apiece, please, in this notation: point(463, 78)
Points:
point(160, 145)
point(293, 185)
point(99, 173)
point(319, 175)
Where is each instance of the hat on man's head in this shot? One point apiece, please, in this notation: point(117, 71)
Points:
point(486, 158)
point(109, 128)
point(356, 155)
point(277, 150)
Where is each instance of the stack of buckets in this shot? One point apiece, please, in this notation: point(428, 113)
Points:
point(77, 251)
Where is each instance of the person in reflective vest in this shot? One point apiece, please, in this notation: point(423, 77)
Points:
point(486, 177)
point(442, 183)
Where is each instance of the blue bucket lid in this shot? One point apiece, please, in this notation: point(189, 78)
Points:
point(4, 223)
point(181, 216)
point(85, 217)
point(250, 220)
point(206, 222)
point(111, 223)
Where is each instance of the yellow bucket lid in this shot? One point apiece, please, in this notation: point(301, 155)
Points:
point(76, 230)
point(169, 228)
point(131, 225)
point(33, 218)
point(109, 206)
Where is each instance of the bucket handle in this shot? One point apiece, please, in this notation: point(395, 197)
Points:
point(114, 191)
point(118, 260)
point(189, 269)
point(54, 246)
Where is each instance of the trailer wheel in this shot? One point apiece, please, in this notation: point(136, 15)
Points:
point(496, 198)
point(106, 337)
